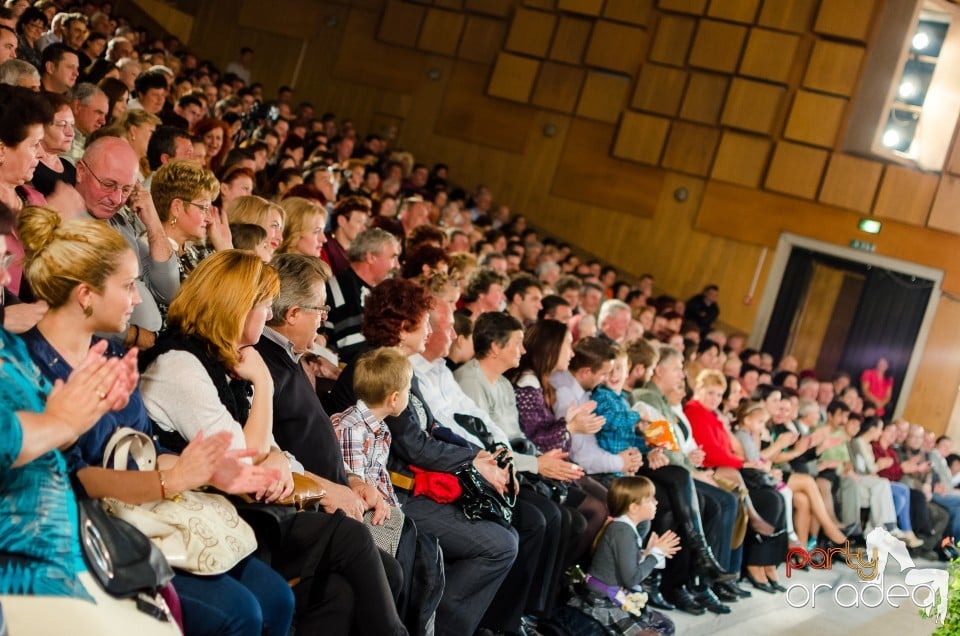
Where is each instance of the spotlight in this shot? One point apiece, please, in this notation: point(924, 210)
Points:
point(907, 89)
point(891, 139)
point(921, 41)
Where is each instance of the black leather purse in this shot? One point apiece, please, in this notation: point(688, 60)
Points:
point(122, 559)
point(479, 499)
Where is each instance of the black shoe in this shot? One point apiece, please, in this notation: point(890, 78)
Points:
point(776, 585)
point(722, 593)
point(763, 587)
point(685, 602)
point(655, 599)
point(852, 530)
point(709, 601)
point(738, 591)
point(706, 567)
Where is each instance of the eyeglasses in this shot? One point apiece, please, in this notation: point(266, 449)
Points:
point(203, 207)
point(322, 310)
point(109, 186)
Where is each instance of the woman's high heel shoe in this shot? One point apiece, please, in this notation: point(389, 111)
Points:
point(763, 587)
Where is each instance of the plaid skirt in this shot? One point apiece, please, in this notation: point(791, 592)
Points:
point(618, 621)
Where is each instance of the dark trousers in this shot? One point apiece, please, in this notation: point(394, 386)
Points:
point(719, 532)
point(341, 579)
point(477, 557)
point(537, 522)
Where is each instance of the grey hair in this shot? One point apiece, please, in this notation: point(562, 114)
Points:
point(610, 308)
point(546, 267)
point(299, 275)
point(85, 91)
point(124, 62)
point(667, 353)
point(807, 405)
point(14, 69)
point(370, 241)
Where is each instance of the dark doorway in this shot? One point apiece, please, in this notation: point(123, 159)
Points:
point(833, 313)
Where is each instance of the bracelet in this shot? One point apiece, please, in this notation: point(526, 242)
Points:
point(163, 485)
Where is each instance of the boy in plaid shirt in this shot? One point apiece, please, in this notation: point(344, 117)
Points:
point(381, 382)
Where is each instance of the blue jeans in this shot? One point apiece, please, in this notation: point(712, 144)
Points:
point(901, 502)
point(248, 600)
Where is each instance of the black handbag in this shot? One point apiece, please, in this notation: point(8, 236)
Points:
point(757, 479)
point(122, 559)
point(479, 499)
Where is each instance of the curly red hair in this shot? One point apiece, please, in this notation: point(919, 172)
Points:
point(394, 306)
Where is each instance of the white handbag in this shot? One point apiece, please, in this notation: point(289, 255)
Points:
point(197, 532)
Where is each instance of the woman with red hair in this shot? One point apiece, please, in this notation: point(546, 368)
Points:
point(215, 134)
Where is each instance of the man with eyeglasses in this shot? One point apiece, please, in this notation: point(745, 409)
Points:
point(106, 179)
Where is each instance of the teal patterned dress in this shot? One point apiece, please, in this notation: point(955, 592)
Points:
point(39, 545)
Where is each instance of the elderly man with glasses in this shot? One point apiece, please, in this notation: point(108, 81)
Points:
point(106, 179)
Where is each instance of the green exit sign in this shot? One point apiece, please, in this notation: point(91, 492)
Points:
point(866, 246)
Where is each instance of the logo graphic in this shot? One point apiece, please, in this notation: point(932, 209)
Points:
point(869, 566)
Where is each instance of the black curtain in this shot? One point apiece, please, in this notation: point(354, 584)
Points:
point(886, 323)
point(793, 289)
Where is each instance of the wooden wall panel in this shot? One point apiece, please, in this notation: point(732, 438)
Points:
point(513, 77)
point(906, 195)
point(570, 40)
point(703, 101)
point(769, 55)
point(717, 45)
point(558, 87)
point(603, 96)
point(440, 32)
point(466, 112)
point(672, 39)
point(641, 137)
point(741, 11)
point(851, 182)
point(938, 375)
point(499, 8)
point(587, 173)
point(796, 169)
point(848, 19)
point(833, 67)
point(616, 47)
point(945, 213)
point(741, 159)
point(586, 7)
point(401, 23)
point(744, 214)
point(753, 106)
point(788, 15)
point(360, 58)
point(482, 39)
point(659, 89)
point(695, 7)
point(531, 32)
point(815, 118)
point(638, 12)
point(690, 148)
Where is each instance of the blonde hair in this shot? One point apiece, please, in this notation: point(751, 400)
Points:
point(299, 212)
point(137, 117)
point(213, 302)
point(379, 373)
point(627, 490)
point(710, 377)
point(180, 179)
point(252, 209)
point(62, 254)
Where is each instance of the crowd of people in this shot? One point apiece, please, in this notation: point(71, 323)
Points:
point(276, 301)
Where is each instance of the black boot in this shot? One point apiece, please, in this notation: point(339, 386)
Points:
point(709, 601)
point(704, 563)
point(654, 597)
